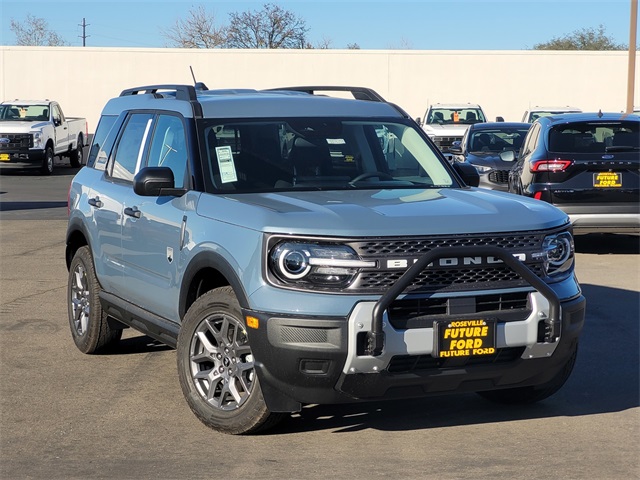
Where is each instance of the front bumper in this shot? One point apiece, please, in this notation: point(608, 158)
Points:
point(323, 360)
point(22, 158)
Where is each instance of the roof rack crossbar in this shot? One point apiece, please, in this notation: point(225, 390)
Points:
point(183, 92)
point(359, 93)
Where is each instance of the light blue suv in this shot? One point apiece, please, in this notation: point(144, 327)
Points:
point(299, 248)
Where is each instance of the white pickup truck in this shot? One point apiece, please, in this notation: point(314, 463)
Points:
point(33, 132)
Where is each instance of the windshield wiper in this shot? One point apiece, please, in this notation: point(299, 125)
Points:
point(621, 148)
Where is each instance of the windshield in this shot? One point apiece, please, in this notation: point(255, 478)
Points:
point(318, 154)
point(24, 113)
point(496, 140)
point(451, 116)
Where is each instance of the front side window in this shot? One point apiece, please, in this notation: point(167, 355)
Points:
point(319, 154)
point(169, 147)
point(130, 148)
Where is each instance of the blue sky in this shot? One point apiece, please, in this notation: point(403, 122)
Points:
point(372, 24)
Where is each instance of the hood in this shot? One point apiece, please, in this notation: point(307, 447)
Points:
point(397, 212)
point(20, 127)
point(450, 130)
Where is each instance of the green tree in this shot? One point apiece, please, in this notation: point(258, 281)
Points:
point(34, 31)
point(583, 39)
point(271, 27)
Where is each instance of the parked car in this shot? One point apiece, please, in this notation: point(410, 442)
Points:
point(586, 164)
point(446, 123)
point(482, 145)
point(533, 114)
point(300, 248)
point(33, 132)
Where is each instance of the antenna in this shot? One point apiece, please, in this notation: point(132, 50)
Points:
point(196, 84)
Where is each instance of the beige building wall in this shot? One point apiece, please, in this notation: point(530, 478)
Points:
point(505, 83)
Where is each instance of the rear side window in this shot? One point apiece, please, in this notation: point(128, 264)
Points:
point(130, 148)
point(598, 137)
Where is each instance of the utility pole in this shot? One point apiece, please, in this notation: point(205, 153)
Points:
point(633, 26)
point(84, 35)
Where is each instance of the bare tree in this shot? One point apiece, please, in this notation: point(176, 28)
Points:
point(271, 27)
point(584, 39)
point(34, 31)
point(353, 46)
point(198, 30)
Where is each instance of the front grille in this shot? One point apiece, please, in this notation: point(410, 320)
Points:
point(15, 140)
point(419, 312)
point(443, 143)
point(414, 363)
point(448, 278)
point(499, 176)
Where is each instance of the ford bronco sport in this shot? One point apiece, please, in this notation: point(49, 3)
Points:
point(298, 248)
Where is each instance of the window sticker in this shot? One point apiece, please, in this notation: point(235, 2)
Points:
point(226, 165)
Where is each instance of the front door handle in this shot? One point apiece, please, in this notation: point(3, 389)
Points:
point(132, 212)
point(95, 202)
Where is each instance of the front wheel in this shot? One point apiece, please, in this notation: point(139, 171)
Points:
point(47, 161)
point(532, 394)
point(90, 327)
point(76, 157)
point(216, 366)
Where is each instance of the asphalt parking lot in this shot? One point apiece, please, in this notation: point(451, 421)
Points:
point(121, 415)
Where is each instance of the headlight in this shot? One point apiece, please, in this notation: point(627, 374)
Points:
point(559, 252)
point(315, 264)
point(37, 139)
point(482, 168)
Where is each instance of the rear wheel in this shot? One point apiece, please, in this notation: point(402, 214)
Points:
point(523, 395)
point(90, 328)
point(216, 367)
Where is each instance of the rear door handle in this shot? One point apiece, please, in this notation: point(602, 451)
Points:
point(95, 202)
point(132, 212)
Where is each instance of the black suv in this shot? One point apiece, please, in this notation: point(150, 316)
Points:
point(586, 164)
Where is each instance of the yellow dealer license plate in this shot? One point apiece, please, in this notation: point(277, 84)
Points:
point(465, 338)
point(607, 180)
point(4, 157)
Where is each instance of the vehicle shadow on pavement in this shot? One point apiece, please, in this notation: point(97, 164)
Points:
point(11, 206)
point(606, 379)
point(135, 345)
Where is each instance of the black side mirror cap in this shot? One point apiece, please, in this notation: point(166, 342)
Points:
point(456, 147)
point(156, 182)
point(468, 173)
point(499, 119)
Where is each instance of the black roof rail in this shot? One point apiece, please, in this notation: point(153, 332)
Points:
point(183, 92)
point(359, 93)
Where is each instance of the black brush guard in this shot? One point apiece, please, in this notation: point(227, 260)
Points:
point(375, 338)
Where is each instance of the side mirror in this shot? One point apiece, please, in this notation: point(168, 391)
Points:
point(508, 156)
point(468, 173)
point(156, 182)
point(418, 120)
point(499, 119)
point(456, 148)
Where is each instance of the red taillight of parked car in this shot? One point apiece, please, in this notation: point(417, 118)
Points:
point(550, 165)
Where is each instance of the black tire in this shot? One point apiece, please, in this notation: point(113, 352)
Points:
point(215, 367)
point(77, 156)
point(47, 161)
point(90, 328)
point(524, 395)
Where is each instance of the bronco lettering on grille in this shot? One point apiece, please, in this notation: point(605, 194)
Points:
point(453, 261)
